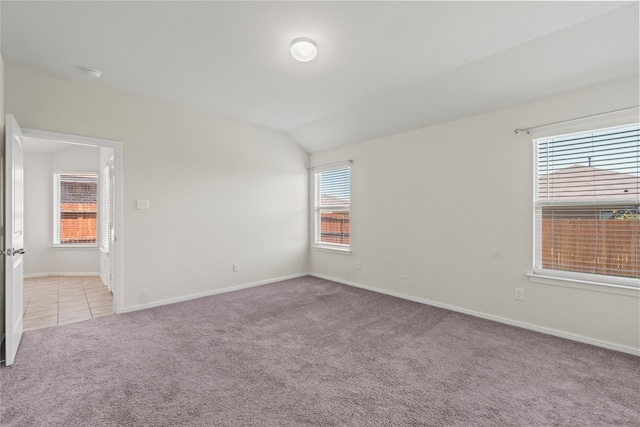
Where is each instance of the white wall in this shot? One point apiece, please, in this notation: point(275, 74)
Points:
point(38, 168)
point(37, 193)
point(220, 191)
point(453, 203)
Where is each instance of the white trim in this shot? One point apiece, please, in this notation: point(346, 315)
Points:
point(524, 325)
point(209, 293)
point(76, 172)
point(104, 281)
point(587, 285)
point(332, 249)
point(330, 166)
point(69, 138)
point(74, 246)
point(54, 273)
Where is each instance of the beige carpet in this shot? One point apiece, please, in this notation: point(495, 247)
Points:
point(309, 352)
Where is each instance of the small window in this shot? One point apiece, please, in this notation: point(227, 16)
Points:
point(587, 208)
point(332, 208)
point(75, 199)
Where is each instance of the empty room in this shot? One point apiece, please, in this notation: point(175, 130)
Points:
point(322, 213)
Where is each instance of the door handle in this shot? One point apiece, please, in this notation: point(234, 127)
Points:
point(11, 251)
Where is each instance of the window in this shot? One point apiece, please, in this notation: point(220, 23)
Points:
point(587, 207)
point(332, 207)
point(74, 208)
point(105, 226)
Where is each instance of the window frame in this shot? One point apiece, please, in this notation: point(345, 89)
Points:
point(56, 216)
point(572, 279)
point(318, 208)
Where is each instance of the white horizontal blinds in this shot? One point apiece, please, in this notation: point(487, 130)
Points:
point(104, 209)
point(75, 208)
point(595, 165)
point(587, 202)
point(334, 187)
point(333, 200)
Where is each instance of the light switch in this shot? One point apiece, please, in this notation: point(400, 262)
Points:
point(142, 204)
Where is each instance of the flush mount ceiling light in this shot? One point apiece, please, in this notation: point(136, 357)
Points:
point(303, 50)
point(93, 72)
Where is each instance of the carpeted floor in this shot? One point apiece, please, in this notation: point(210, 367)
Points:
point(308, 352)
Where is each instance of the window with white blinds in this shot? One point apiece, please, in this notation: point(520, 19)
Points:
point(332, 207)
point(75, 202)
point(105, 225)
point(587, 205)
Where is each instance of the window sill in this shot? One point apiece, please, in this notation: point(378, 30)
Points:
point(578, 283)
point(103, 250)
point(82, 247)
point(332, 249)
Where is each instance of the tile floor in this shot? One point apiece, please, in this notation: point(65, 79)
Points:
point(58, 300)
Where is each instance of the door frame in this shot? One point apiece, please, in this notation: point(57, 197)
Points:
point(116, 246)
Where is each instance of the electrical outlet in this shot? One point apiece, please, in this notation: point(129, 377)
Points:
point(358, 265)
point(519, 294)
point(405, 273)
point(236, 267)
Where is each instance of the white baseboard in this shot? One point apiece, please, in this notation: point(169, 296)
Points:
point(517, 323)
point(209, 293)
point(33, 275)
point(104, 281)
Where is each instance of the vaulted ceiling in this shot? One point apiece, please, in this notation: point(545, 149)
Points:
point(382, 67)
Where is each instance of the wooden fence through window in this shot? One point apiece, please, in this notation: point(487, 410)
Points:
point(600, 246)
point(334, 227)
point(78, 223)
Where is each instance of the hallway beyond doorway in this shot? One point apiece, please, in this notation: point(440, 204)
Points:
point(58, 300)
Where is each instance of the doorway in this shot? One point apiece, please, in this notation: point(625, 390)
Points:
point(67, 268)
point(85, 270)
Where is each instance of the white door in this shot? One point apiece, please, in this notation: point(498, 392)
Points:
point(14, 237)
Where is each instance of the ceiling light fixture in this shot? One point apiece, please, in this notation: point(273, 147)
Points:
point(303, 50)
point(93, 72)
